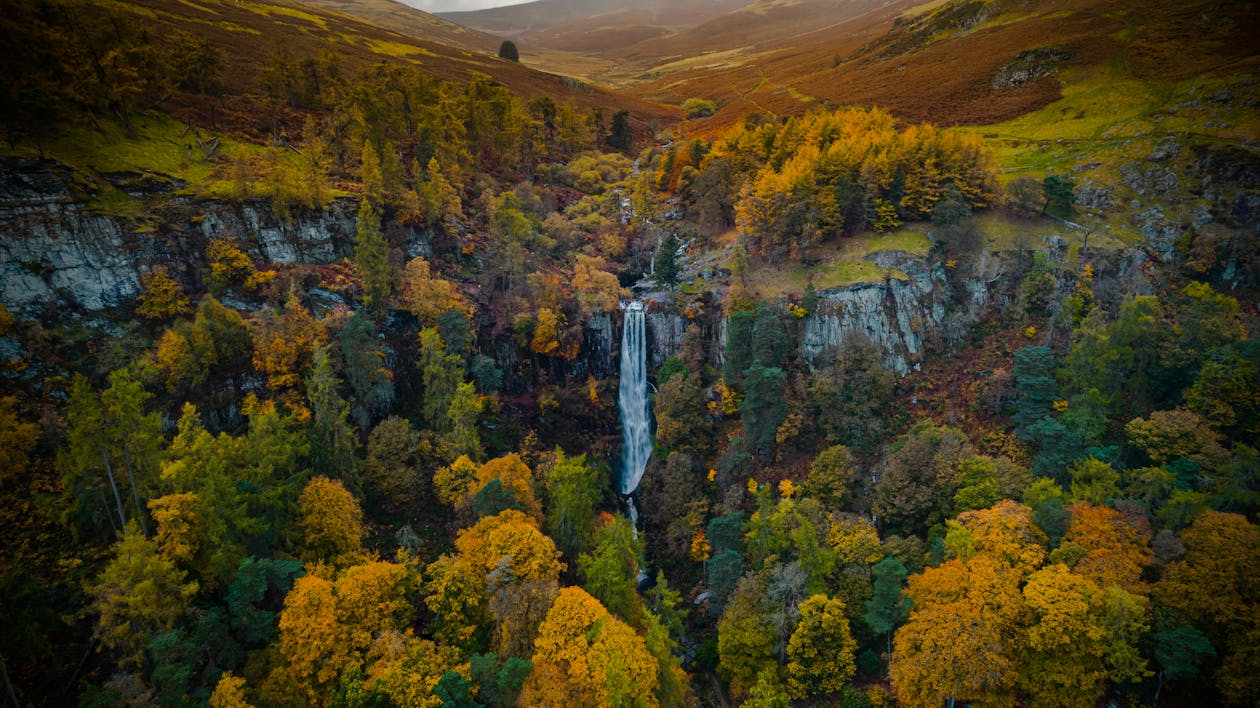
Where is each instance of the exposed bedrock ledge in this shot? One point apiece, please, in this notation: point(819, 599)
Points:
point(57, 253)
point(896, 314)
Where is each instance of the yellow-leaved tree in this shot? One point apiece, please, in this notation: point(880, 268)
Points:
point(331, 522)
point(960, 639)
point(162, 297)
point(515, 478)
point(285, 343)
point(1216, 585)
point(1079, 636)
point(820, 651)
point(311, 649)
point(585, 656)
point(229, 692)
point(138, 595)
point(329, 625)
point(427, 295)
point(407, 669)
point(504, 556)
point(1007, 533)
point(1106, 546)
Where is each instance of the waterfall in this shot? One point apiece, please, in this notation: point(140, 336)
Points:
point(633, 400)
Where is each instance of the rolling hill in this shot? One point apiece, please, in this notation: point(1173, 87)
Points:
point(938, 61)
point(402, 18)
point(600, 27)
point(254, 33)
point(947, 63)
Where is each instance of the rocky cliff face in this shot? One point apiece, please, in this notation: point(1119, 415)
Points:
point(598, 347)
point(665, 330)
point(897, 314)
point(56, 253)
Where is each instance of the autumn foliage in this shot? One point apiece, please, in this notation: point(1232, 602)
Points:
point(825, 174)
point(585, 656)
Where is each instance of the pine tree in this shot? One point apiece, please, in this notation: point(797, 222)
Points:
point(371, 260)
point(373, 178)
point(139, 594)
point(609, 571)
point(370, 382)
point(619, 133)
point(1035, 386)
point(442, 374)
point(463, 414)
point(333, 441)
point(665, 268)
point(573, 488)
point(1060, 196)
point(764, 409)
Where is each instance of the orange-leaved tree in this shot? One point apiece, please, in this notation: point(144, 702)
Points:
point(585, 656)
point(501, 554)
point(961, 639)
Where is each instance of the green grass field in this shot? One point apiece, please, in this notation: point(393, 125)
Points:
point(157, 148)
point(837, 264)
point(1108, 120)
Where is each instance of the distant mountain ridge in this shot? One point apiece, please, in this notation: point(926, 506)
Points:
point(404, 18)
point(922, 60)
point(601, 27)
point(941, 62)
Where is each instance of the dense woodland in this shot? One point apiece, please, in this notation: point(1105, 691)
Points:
point(388, 480)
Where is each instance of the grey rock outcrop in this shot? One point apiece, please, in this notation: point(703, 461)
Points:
point(898, 315)
point(1030, 65)
point(665, 334)
point(57, 253)
point(598, 347)
point(1160, 233)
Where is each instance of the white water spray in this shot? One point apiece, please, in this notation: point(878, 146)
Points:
point(632, 398)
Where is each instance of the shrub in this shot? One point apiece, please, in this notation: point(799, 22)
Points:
point(699, 108)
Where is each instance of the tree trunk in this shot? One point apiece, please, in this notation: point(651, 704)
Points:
point(888, 656)
point(8, 685)
point(113, 484)
point(135, 493)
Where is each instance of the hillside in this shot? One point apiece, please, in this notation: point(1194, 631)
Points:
point(923, 61)
point(624, 43)
point(600, 27)
point(251, 34)
point(404, 19)
point(943, 63)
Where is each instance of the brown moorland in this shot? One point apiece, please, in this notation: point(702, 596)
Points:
point(402, 18)
point(939, 65)
point(598, 27)
point(250, 33)
point(933, 61)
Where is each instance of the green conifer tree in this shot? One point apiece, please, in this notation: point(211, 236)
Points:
point(371, 260)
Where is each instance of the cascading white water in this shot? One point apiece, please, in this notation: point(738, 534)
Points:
point(632, 398)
